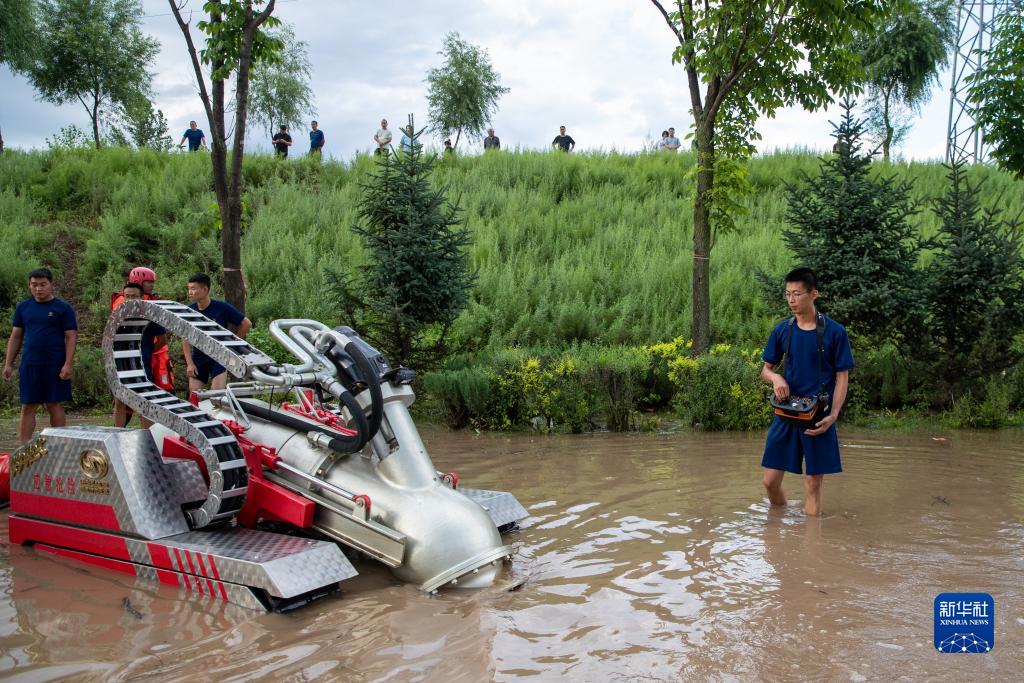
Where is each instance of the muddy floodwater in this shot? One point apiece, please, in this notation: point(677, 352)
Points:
point(645, 557)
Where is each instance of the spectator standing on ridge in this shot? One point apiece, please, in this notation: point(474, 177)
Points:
point(492, 141)
point(316, 140)
point(563, 141)
point(195, 136)
point(660, 144)
point(200, 368)
point(383, 138)
point(408, 140)
point(672, 142)
point(49, 329)
point(282, 141)
point(448, 149)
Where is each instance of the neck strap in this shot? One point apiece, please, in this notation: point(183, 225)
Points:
point(820, 327)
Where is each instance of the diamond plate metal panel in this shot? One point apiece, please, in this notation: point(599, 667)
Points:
point(202, 588)
point(500, 505)
point(105, 466)
point(189, 479)
point(284, 566)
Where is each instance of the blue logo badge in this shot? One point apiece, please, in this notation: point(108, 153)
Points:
point(964, 622)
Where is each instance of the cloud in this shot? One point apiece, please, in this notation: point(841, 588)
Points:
point(602, 68)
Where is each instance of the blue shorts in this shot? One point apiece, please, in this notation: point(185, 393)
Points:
point(787, 447)
point(206, 369)
point(42, 384)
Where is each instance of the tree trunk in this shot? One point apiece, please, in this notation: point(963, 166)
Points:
point(701, 293)
point(228, 191)
point(231, 237)
point(219, 156)
point(96, 120)
point(887, 142)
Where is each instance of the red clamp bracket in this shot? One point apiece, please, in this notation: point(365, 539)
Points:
point(362, 506)
point(450, 479)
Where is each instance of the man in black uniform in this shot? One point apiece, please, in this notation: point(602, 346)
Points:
point(563, 141)
point(492, 141)
point(282, 141)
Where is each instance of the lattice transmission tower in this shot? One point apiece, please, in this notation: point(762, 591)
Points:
point(975, 20)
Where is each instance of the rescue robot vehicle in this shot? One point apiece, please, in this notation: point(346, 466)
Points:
point(237, 496)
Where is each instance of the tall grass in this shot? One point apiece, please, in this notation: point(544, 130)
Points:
point(568, 248)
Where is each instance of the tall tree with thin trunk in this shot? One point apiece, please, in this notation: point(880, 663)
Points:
point(236, 41)
point(92, 52)
point(902, 56)
point(280, 92)
point(17, 37)
point(142, 125)
point(996, 91)
point(744, 59)
point(462, 94)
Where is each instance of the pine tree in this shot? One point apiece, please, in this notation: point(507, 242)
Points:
point(851, 227)
point(419, 278)
point(975, 289)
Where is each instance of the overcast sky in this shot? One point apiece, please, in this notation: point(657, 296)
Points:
point(602, 68)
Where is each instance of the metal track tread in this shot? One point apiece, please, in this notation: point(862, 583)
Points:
point(122, 342)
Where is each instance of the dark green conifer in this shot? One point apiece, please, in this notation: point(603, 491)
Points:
point(418, 279)
point(975, 289)
point(851, 226)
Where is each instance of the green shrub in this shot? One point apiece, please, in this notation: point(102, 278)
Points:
point(1015, 380)
point(618, 374)
point(658, 383)
point(463, 394)
point(574, 390)
point(89, 381)
point(722, 391)
point(885, 378)
point(991, 412)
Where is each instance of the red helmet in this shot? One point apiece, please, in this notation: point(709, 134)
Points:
point(140, 275)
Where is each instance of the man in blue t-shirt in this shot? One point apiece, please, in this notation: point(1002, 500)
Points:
point(789, 446)
point(316, 139)
point(200, 368)
point(195, 136)
point(409, 141)
point(48, 328)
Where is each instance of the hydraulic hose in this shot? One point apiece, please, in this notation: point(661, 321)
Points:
point(338, 443)
point(367, 374)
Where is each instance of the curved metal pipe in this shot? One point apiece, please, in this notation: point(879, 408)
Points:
point(285, 379)
point(278, 329)
point(301, 335)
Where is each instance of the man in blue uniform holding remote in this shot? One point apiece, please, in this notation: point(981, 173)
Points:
point(200, 368)
point(808, 371)
point(49, 329)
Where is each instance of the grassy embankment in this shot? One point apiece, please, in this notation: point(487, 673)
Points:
point(582, 261)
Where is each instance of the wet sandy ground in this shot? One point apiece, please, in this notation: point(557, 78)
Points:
point(646, 557)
